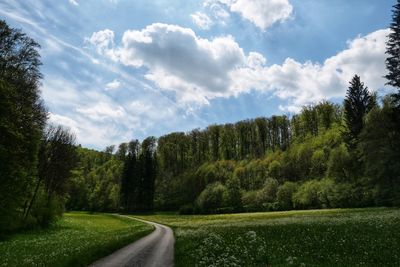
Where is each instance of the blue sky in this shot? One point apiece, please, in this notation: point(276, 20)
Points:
point(115, 70)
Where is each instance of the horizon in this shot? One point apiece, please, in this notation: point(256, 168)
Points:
point(108, 74)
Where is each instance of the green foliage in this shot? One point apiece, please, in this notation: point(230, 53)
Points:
point(318, 163)
point(392, 49)
point(284, 195)
point(211, 198)
point(22, 119)
point(314, 194)
point(379, 147)
point(233, 194)
point(357, 104)
point(339, 163)
point(95, 182)
point(268, 191)
point(275, 169)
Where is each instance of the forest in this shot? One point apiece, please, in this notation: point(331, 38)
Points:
point(327, 156)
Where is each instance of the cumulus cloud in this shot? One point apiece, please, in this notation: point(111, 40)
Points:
point(202, 20)
point(198, 69)
point(179, 60)
point(262, 13)
point(103, 41)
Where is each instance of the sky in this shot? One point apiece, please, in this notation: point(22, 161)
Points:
point(117, 70)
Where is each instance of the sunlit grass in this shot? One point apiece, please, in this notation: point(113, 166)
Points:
point(340, 237)
point(76, 240)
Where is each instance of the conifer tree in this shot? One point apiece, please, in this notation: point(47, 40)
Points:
point(357, 104)
point(393, 49)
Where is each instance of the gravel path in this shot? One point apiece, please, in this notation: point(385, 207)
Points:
point(153, 250)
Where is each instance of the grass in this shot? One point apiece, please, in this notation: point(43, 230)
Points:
point(76, 240)
point(339, 237)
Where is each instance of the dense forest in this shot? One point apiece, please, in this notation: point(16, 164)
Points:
point(329, 155)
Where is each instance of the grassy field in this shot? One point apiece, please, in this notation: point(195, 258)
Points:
point(76, 240)
point(350, 237)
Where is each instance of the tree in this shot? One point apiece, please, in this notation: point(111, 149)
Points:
point(357, 104)
point(233, 194)
point(22, 118)
point(130, 177)
point(393, 49)
point(380, 147)
point(57, 158)
point(148, 173)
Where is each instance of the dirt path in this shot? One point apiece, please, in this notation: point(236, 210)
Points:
point(153, 250)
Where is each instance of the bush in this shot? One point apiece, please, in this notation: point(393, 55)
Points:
point(233, 195)
point(284, 195)
point(47, 210)
point(317, 194)
point(250, 201)
point(268, 192)
point(211, 198)
point(339, 163)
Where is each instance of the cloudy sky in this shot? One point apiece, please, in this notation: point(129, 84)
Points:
point(115, 70)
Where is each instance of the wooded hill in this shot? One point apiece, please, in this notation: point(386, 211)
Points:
point(311, 160)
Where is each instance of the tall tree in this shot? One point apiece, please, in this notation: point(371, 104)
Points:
point(148, 173)
point(57, 158)
point(130, 177)
point(393, 50)
point(357, 104)
point(22, 118)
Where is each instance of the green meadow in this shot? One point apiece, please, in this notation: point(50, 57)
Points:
point(76, 240)
point(338, 237)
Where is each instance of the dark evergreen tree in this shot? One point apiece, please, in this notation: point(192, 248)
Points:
point(148, 173)
point(130, 178)
point(357, 104)
point(393, 50)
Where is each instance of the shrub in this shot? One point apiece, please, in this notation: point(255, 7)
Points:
point(307, 195)
point(284, 195)
point(233, 195)
point(268, 192)
point(250, 201)
point(211, 197)
point(338, 163)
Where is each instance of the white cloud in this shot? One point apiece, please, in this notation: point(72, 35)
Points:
point(262, 13)
point(304, 83)
point(115, 84)
point(202, 20)
point(103, 41)
point(102, 111)
point(64, 121)
point(198, 69)
point(73, 2)
point(180, 61)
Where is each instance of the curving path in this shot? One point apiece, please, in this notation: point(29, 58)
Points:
point(153, 250)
